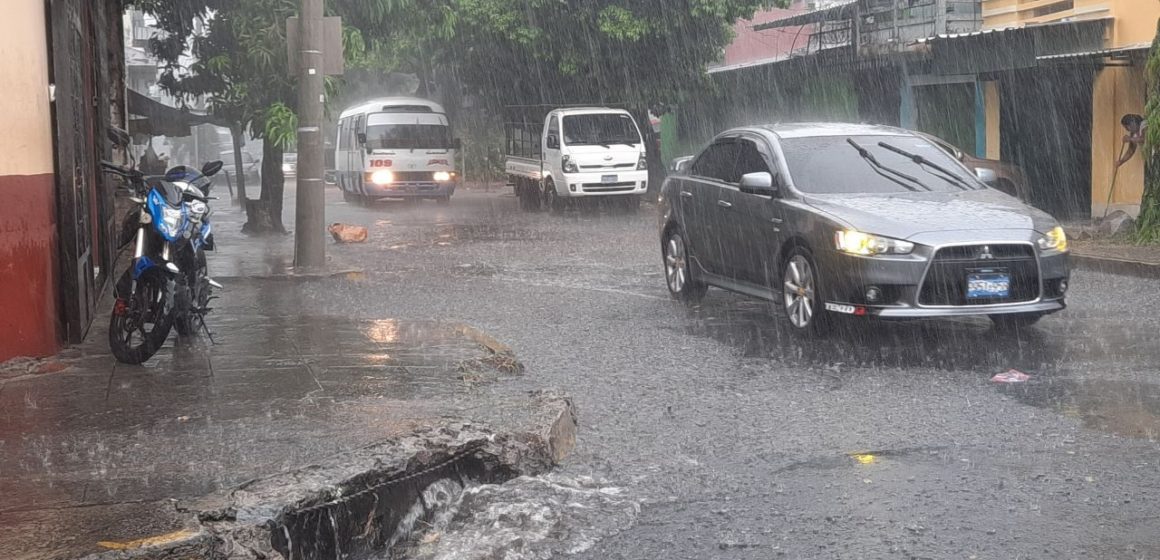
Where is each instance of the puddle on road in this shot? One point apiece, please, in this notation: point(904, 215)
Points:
point(1125, 408)
point(757, 330)
point(443, 235)
point(527, 518)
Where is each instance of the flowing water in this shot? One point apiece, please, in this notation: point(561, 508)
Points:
point(527, 518)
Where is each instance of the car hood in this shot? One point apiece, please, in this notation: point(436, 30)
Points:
point(905, 215)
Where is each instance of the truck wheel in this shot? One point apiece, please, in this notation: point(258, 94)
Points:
point(552, 200)
point(529, 197)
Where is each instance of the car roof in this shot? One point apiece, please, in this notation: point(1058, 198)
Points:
point(815, 129)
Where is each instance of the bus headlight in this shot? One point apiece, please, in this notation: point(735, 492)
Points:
point(442, 176)
point(382, 177)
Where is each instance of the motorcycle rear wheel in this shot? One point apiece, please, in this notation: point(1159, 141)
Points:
point(141, 318)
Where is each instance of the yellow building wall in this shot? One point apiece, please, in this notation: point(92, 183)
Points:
point(1116, 92)
point(991, 118)
point(1135, 21)
point(25, 112)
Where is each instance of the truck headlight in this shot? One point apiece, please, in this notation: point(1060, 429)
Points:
point(569, 165)
point(1055, 240)
point(642, 163)
point(382, 177)
point(442, 176)
point(858, 243)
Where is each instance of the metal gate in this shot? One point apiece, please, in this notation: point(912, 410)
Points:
point(79, 127)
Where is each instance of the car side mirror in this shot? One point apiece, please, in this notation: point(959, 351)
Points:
point(553, 142)
point(760, 183)
point(362, 138)
point(987, 176)
point(682, 164)
point(211, 168)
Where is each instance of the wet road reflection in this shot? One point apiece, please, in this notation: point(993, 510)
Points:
point(1125, 408)
point(756, 329)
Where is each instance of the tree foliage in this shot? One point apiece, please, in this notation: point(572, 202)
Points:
point(1148, 224)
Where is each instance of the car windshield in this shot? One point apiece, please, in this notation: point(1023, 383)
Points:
point(831, 165)
point(600, 129)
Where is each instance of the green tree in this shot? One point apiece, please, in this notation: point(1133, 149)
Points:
point(1148, 224)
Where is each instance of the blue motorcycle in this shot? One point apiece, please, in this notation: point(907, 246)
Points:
point(167, 285)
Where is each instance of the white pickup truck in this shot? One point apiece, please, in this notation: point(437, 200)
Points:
point(571, 153)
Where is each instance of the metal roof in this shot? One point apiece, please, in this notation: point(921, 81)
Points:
point(1116, 52)
point(1003, 30)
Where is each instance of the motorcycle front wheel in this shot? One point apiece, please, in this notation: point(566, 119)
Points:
point(141, 318)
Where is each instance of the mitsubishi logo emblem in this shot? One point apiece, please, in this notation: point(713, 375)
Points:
point(985, 254)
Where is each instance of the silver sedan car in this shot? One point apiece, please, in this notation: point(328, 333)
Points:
point(865, 221)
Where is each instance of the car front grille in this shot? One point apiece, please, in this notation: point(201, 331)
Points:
point(609, 187)
point(946, 279)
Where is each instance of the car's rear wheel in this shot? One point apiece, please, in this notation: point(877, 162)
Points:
point(679, 276)
point(1015, 321)
point(801, 295)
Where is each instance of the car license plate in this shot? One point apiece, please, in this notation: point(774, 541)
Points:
point(606, 179)
point(988, 285)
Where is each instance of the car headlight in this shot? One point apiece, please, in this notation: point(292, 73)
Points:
point(642, 163)
point(568, 165)
point(1055, 240)
point(382, 177)
point(858, 243)
point(442, 176)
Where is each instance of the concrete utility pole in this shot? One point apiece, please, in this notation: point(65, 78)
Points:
point(310, 213)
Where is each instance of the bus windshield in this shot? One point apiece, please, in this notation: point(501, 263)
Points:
point(408, 131)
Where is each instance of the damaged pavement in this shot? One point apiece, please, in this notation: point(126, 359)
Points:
point(292, 434)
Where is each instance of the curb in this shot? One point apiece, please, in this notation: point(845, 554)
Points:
point(338, 504)
point(1116, 266)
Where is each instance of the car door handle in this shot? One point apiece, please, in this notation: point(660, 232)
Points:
point(686, 194)
point(724, 204)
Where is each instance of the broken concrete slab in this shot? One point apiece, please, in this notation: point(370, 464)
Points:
point(107, 453)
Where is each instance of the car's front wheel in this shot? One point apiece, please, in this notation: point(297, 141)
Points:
point(683, 284)
point(800, 294)
point(1015, 321)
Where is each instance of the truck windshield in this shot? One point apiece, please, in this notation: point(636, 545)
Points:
point(600, 129)
point(389, 131)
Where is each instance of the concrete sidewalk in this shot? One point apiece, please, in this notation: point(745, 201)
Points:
point(102, 456)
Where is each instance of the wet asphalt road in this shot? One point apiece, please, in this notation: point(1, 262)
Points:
point(738, 439)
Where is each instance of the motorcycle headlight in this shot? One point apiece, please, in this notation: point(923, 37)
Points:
point(170, 222)
point(1055, 240)
point(858, 243)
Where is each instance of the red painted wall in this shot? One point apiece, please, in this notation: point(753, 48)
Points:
point(28, 254)
point(751, 46)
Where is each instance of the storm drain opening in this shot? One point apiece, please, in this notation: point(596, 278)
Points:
point(375, 514)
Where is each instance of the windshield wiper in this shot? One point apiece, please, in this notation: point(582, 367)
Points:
point(883, 170)
point(946, 174)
